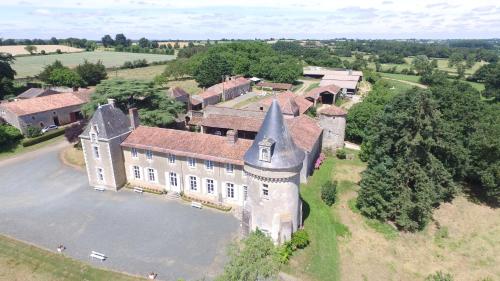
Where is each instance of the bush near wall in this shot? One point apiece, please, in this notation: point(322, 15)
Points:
point(146, 189)
point(42, 138)
point(206, 203)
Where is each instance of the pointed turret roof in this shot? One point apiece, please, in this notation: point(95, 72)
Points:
point(285, 154)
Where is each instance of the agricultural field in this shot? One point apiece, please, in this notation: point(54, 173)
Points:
point(189, 85)
point(30, 66)
point(141, 73)
point(17, 50)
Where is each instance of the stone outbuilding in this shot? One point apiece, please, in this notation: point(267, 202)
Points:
point(333, 121)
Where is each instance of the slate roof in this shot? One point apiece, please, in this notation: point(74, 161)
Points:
point(111, 122)
point(36, 92)
point(189, 144)
point(285, 154)
point(42, 104)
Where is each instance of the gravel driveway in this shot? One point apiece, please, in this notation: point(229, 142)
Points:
point(47, 203)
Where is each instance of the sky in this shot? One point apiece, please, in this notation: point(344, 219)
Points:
point(217, 19)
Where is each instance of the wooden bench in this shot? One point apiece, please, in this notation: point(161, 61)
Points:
point(99, 188)
point(97, 255)
point(196, 204)
point(138, 190)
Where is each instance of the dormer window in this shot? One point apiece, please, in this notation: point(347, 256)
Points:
point(96, 129)
point(265, 149)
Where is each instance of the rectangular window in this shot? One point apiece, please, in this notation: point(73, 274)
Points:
point(265, 191)
point(230, 190)
point(191, 162)
point(193, 184)
point(229, 168)
point(210, 186)
point(137, 172)
point(96, 152)
point(149, 154)
point(93, 137)
point(151, 174)
point(133, 151)
point(209, 165)
point(171, 158)
point(100, 174)
point(245, 192)
point(173, 179)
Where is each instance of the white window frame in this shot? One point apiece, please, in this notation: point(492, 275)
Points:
point(191, 180)
point(134, 152)
point(191, 162)
point(93, 137)
point(171, 158)
point(136, 170)
point(96, 128)
point(173, 179)
point(230, 190)
point(229, 168)
point(96, 152)
point(149, 154)
point(209, 165)
point(100, 174)
point(264, 189)
point(148, 174)
point(207, 185)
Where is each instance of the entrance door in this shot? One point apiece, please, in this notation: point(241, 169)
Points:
point(173, 182)
point(56, 121)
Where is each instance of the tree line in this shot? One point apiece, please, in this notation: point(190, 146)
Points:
point(89, 45)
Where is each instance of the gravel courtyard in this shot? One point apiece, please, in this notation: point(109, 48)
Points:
point(47, 203)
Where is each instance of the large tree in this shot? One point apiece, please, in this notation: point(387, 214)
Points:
point(92, 73)
point(65, 77)
point(107, 41)
point(155, 108)
point(7, 74)
point(211, 70)
point(47, 70)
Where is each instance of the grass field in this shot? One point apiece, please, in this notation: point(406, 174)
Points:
point(19, 149)
point(32, 65)
point(20, 261)
point(141, 73)
point(415, 79)
point(19, 49)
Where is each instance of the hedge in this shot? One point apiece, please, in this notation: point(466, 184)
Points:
point(42, 138)
point(206, 203)
point(146, 189)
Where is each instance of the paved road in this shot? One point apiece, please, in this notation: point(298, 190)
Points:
point(47, 203)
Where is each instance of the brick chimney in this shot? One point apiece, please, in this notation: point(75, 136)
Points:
point(133, 114)
point(111, 102)
point(232, 136)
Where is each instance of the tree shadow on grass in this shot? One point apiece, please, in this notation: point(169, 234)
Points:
point(9, 147)
point(477, 194)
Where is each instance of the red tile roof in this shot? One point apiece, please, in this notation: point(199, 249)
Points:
point(275, 86)
point(190, 144)
point(283, 101)
point(250, 124)
point(315, 93)
point(332, 110)
point(47, 103)
point(217, 88)
point(177, 92)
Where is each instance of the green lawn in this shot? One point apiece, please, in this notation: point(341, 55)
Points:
point(141, 73)
point(320, 260)
point(19, 149)
point(409, 78)
point(32, 65)
point(21, 261)
point(312, 86)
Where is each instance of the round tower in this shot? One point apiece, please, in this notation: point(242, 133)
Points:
point(273, 165)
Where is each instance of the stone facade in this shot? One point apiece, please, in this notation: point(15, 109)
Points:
point(333, 130)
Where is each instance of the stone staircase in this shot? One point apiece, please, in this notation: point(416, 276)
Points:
point(173, 195)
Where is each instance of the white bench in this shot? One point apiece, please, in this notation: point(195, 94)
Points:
point(196, 204)
point(99, 188)
point(138, 190)
point(98, 256)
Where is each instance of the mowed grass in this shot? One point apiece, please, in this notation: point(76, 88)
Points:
point(18, 149)
point(32, 65)
point(21, 261)
point(319, 260)
point(141, 73)
point(189, 85)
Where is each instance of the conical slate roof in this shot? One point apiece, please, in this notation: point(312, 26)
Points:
point(285, 154)
point(110, 122)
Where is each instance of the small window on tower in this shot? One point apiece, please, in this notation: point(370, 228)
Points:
point(265, 149)
point(265, 191)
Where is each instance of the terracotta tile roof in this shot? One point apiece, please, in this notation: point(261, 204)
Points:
point(216, 89)
point(184, 143)
point(46, 103)
point(275, 86)
point(250, 124)
point(283, 98)
point(305, 131)
point(177, 92)
point(339, 83)
point(315, 93)
point(332, 110)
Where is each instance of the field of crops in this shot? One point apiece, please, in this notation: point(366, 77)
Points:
point(19, 49)
point(32, 65)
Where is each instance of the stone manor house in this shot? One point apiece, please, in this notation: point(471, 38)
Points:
point(259, 176)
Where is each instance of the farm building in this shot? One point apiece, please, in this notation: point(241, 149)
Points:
point(231, 88)
point(36, 92)
point(58, 109)
point(347, 80)
point(324, 95)
point(274, 86)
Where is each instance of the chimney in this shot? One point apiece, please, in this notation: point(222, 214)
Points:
point(133, 114)
point(232, 136)
point(112, 102)
point(350, 71)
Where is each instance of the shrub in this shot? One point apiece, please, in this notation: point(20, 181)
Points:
point(341, 154)
point(285, 251)
point(300, 239)
point(73, 132)
point(58, 51)
point(42, 138)
point(33, 131)
point(9, 135)
point(439, 276)
point(329, 192)
point(42, 52)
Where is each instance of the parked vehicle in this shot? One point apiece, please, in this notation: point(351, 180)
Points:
point(49, 128)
